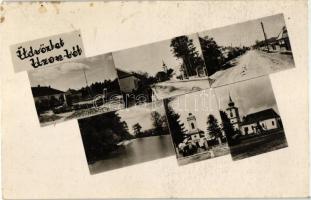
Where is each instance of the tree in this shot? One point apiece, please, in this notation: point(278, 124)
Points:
point(212, 54)
point(101, 133)
point(177, 128)
point(183, 48)
point(137, 129)
point(227, 127)
point(213, 128)
point(157, 122)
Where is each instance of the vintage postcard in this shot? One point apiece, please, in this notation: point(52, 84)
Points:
point(161, 70)
point(250, 118)
point(246, 50)
point(196, 127)
point(126, 137)
point(76, 89)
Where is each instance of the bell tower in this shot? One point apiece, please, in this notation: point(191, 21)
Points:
point(233, 114)
point(192, 122)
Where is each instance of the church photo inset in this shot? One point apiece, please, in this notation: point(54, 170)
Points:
point(250, 118)
point(196, 127)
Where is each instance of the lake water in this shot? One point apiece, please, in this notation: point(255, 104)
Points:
point(140, 150)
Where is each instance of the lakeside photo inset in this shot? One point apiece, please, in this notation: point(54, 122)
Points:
point(161, 70)
point(251, 118)
point(246, 50)
point(196, 127)
point(126, 137)
point(76, 89)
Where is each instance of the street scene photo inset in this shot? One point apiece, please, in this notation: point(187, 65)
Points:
point(250, 118)
point(76, 89)
point(161, 70)
point(246, 50)
point(126, 137)
point(196, 127)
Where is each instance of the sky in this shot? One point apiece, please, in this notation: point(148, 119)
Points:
point(246, 33)
point(200, 104)
point(141, 114)
point(148, 58)
point(70, 74)
point(249, 96)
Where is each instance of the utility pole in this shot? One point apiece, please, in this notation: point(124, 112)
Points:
point(87, 85)
point(264, 33)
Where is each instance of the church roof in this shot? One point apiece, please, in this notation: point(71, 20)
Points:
point(259, 116)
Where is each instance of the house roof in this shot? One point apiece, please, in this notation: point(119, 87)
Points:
point(72, 91)
point(283, 33)
point(44, 91)
point(123, 74)
point(259, 116)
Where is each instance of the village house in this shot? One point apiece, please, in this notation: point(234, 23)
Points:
point(265, 120)
point(46, 93)
point(277, 43)
point(74, 95)
point(283, 39)
point(128, 81)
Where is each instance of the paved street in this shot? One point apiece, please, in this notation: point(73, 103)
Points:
point(252, 64)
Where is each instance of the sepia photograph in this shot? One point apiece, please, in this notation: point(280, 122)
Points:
point(126, 137)
point(161, 70)
point(250, 118)
point(77, 89)
point(196, 127)
point(246, 50)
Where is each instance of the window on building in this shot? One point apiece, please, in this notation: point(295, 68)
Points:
point(192, 125)
point(272, 123)
point(231, 114)
point(246, 130)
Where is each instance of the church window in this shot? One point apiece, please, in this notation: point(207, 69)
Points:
point(231, 114)
point(192, 125)
point(272, 123)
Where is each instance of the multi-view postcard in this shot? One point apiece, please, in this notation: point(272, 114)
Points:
point(75, 89)
point(166, 88)
point(250, 118)
point(246, 50)
point(161, 70)
point(126, 137)
point(196, 127)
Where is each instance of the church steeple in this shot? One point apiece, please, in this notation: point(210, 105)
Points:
point(233, 114)
point(231, 103)
point(164, 66)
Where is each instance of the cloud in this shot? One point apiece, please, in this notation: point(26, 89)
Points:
point(71, 67)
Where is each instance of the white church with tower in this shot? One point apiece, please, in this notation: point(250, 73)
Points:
point(253, 123)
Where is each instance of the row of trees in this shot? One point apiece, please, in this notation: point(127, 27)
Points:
point(159, 126)
point(111, 86)
point(216, 57)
